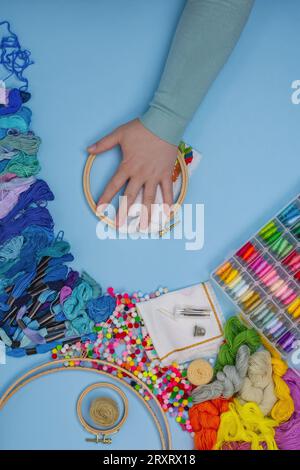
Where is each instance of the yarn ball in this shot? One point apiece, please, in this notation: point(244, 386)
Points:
point(229, 381)
point(104, 411)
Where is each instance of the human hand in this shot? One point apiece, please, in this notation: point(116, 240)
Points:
point(147, 162)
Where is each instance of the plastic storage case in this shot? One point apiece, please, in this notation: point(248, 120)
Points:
point(263, 279)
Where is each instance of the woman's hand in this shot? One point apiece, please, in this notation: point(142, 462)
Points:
point(147, 162)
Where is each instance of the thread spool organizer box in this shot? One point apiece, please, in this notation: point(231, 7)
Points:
point(262, 278)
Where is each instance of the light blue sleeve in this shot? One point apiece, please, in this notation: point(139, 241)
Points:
point(206, 34)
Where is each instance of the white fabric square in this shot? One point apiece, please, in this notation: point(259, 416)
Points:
point(174, 340)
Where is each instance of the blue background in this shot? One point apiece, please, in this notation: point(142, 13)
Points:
point(97, 64)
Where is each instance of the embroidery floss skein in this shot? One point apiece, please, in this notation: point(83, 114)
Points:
point(39, 216)
point(239, 445)
point(34, 240)
point(9, 199)
point(229, 381)
point(100, 309)
point(14, 100)
point(22, 165)
point(236, 334)
point(284, 407)
point(37, 193)
point(287, 434)
point(11, 249)
point(246, 423)
point(6, 154)
point(258, 386)
point(27, 143)
point(205, 421)
point(19, 121)
point(10, 182)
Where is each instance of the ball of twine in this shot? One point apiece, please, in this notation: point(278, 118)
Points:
point(104, 411)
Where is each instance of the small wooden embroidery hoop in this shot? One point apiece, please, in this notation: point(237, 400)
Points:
point(103, 432)
point(110, 222)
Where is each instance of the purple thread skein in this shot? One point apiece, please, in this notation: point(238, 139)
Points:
point(37, 193)
point(287, 435)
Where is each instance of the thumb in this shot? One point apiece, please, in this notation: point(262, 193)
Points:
point(104, 144)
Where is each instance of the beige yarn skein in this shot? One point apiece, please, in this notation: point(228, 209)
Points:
point(258, 385)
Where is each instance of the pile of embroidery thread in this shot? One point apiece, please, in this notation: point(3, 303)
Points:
point(253, 400)
point(43, 302)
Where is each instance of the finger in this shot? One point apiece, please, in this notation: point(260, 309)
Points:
point(130, 195)
point(167, 192)
point(148, 200)
point(113, 187)
point(106, 143)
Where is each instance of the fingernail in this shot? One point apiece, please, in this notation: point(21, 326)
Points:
point(92, 148)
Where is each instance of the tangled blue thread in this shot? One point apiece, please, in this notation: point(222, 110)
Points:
point(13, 58)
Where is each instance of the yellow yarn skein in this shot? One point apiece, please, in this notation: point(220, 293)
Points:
point(248, 424)
point(284, 407)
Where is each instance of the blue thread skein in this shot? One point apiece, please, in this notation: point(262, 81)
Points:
point(101, 309)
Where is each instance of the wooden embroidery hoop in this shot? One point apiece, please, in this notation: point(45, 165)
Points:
point(101, 435)
point(111, 223)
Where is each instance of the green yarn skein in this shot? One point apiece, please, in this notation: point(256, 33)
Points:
point(26, 143)
point(236, 334)
point(23, 165)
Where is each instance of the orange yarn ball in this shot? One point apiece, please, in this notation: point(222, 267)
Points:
point(205, 421)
